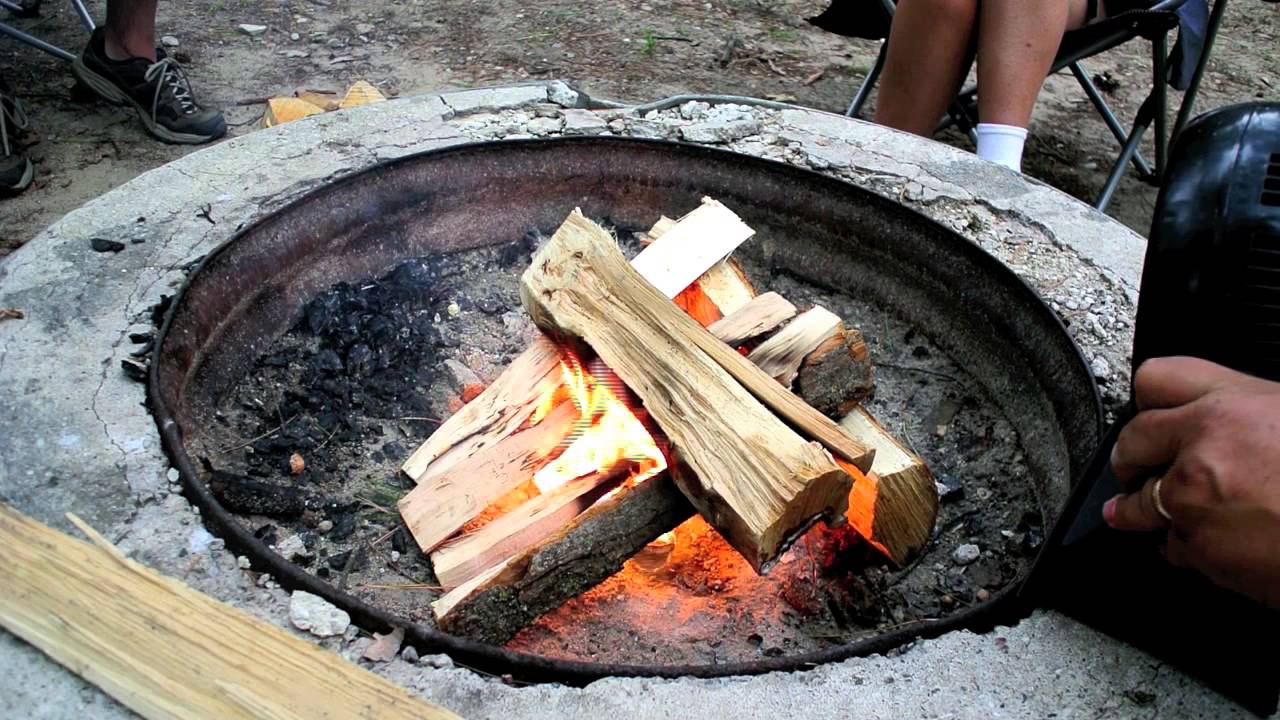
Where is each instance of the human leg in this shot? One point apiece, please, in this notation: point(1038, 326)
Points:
point(930, 49)
point(131, 29)
point(16, 171)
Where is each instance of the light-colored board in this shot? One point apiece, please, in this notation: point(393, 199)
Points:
point(688, 249)
point(754, 478)
point(168, 652)
point(759, 316)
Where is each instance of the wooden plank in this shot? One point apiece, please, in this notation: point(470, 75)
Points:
point(759, 316)
point(461, 559)
point(904, 494)
point(166, 651)
point(754, 478)
point(781, 355)
point(683, 253)
point(445, 501)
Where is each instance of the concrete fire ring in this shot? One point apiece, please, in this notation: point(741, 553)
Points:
point(75, 434)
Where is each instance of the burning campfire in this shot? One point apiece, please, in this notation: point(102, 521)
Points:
point(634, 411)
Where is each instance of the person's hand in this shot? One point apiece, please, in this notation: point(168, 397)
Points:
point(1206, 441)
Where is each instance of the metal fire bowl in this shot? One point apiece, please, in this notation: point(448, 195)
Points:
point(252, 288)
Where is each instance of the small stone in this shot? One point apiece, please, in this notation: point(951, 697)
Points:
point(546, 110)
point(169, 41)
point(173, 475)
point(324, 526)
point(545, 126)
point(291, 547)
point(561, 94)
point(295, 37)
point(983, 595)
point(297, 464)
point(694, 110)
point(439, 662)
point(351, 633)
point(1101, 368)
point(409, 654)
point(263, 581)
point(583, 122)
point(316, 615)
point(243, 563)
point(295, 53)
point(364, 29)
point(105, 245)
point(252, 30)
point(949, 492)
point(966, 554)
point(947, 601)
point(395, 556)
point(454, 309)
point(617, 125)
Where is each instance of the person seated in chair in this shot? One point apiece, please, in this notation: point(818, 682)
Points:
point(121, 64)
point(932, 43)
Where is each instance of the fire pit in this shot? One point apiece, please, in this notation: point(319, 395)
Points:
point(424, 252)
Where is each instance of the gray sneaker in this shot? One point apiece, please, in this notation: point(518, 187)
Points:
point(16, 171)
point(158, 91)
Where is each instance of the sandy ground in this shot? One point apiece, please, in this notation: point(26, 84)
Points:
point(630, 51)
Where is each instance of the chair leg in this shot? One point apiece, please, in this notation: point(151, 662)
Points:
point(36, 42)
point(83, 12)
point(1161, 93)
point(1189, 98)
point(864, 90)
point(1145, 115)
point(1109, 117)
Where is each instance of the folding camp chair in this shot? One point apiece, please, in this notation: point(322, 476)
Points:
point(35, 42)
point(1153, 24)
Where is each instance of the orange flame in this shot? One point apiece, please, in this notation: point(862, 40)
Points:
point(606, 433)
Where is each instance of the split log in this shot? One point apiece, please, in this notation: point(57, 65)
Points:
point(447, 500)
point(166, 651)
point(757, 317)
point(527, 524)
point(755, 480)
point(725, 284)
point(494, 606)
point(837, 375)
point(902, 491)
point(781, 355)
point(690, 247)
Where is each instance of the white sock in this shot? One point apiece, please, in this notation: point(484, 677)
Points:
point(1002, 144)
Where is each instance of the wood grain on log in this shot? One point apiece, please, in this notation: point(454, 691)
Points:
point(759, 316)
point(169, 652)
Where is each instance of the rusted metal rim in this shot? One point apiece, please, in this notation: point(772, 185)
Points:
point(624, 179)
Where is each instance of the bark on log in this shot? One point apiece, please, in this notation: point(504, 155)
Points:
point(754, 479)
point(837, 376)
point(781, 355)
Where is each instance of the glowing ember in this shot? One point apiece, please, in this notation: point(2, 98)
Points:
point(607, 432)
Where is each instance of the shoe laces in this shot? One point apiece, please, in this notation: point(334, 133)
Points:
point(12, 115)
point(167, 73)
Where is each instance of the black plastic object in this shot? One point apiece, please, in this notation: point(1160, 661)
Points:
point(1210, 289)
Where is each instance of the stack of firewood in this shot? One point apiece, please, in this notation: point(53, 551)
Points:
point(740, 391)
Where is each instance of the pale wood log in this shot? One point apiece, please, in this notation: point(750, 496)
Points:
point(166, 651)
point(445, 501)
point(759, 316)
point(781, 355)
point(902, 490)
point(725, 283)
point(754, 479)
point(468, 555)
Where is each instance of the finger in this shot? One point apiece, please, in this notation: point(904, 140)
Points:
point(1167, 382)
point(1135, 511)
point(1150, 440)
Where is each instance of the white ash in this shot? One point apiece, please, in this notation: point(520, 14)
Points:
point(316, 615)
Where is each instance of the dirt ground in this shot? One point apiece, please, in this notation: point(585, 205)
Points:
point(630, 51)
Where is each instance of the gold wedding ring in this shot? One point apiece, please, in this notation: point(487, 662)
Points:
point(1155, 500)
